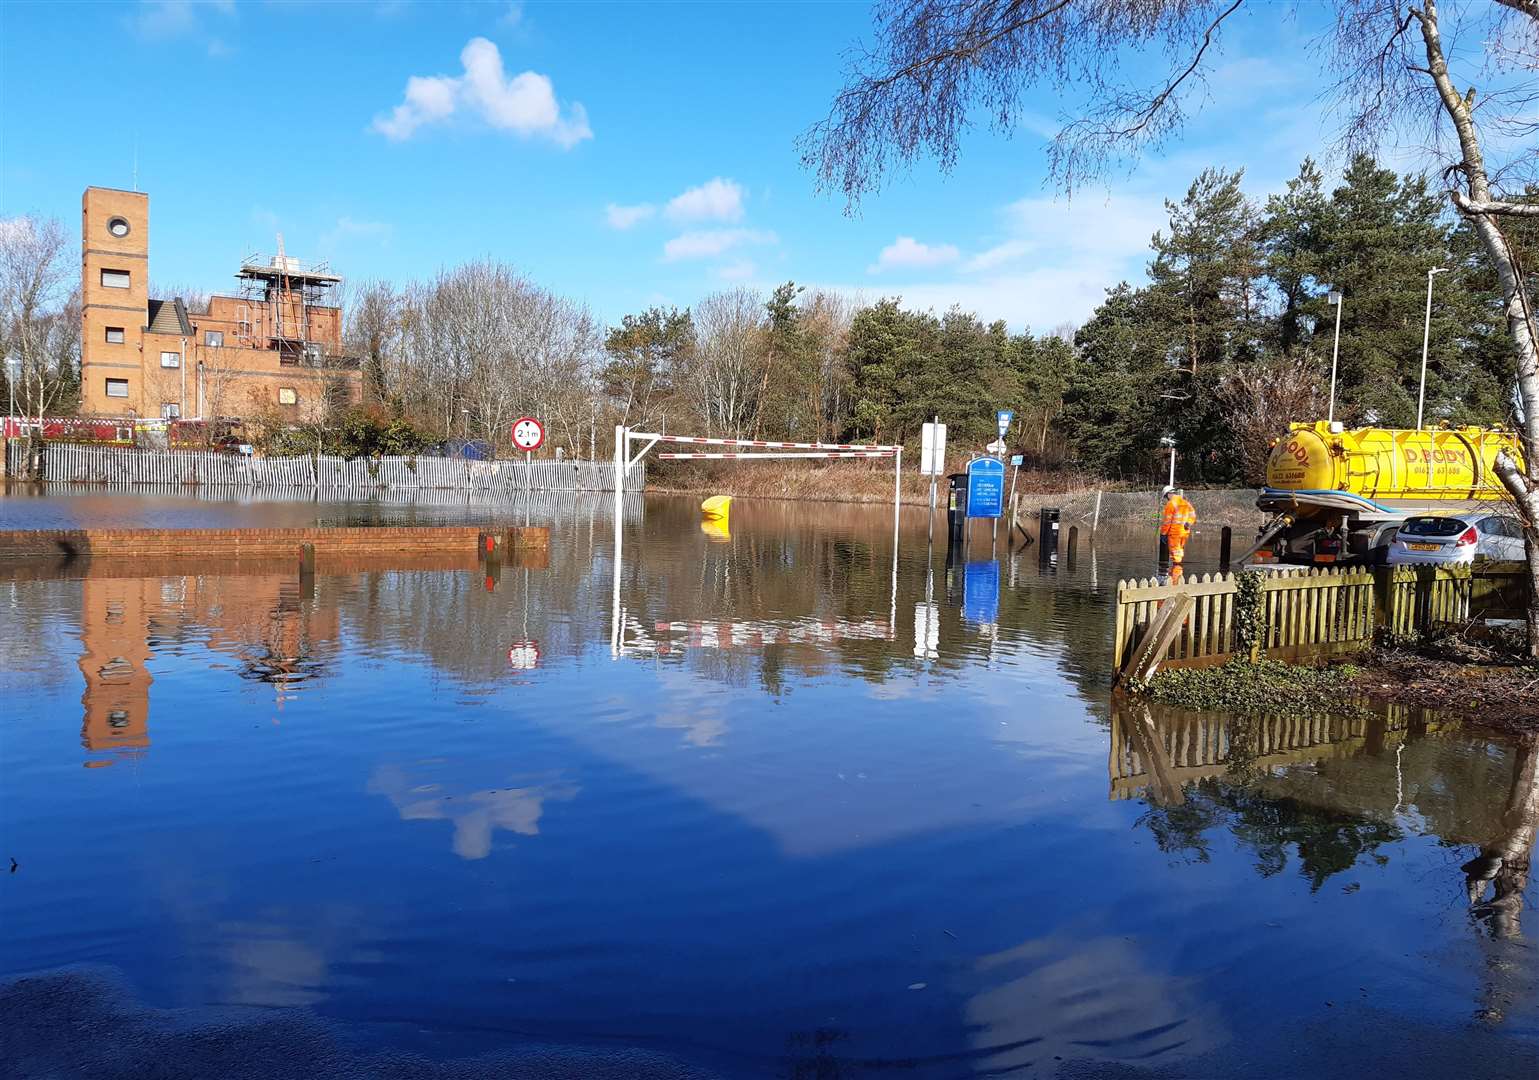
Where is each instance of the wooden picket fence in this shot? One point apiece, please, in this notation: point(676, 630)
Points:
point(124, 466)
point(1309, 613)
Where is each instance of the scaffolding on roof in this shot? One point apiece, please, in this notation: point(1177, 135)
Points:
point(278, 293)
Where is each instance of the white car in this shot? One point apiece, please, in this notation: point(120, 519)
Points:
point(1456, 539)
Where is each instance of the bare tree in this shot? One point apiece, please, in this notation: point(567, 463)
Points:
point(825, 323)
point(726, 366)
point(1259, 400)
point(39, 313)
point(374, 333)
point(476, 348)
point(938, 63)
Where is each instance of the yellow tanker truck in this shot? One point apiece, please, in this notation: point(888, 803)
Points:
point(1338, 495)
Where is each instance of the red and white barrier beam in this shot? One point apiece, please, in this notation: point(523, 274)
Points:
point(729, 456)
point(701, 440)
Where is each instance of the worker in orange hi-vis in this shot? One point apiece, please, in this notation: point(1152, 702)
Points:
point(1177, 522)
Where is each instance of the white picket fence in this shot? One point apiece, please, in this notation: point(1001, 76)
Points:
point(126, 467)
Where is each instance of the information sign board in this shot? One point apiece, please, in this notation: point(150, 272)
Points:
point(932, 450)
point(985, 487)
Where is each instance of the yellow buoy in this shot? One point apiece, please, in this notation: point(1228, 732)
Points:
point(715, 529)
point(717, 506)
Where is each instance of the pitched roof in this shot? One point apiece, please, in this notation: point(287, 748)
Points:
point(169, 317)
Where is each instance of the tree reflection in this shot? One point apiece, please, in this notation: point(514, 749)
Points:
point(1497, 878)
point(1231, 755)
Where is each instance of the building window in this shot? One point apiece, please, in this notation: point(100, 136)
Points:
point(117, 387)
point(115, 279)
point(214, 338)
point(286, 396)
point(114, 335)
point(118, 227)
point(170, 359)
point(170, 411)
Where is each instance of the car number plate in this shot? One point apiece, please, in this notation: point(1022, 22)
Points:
point(1425, 547)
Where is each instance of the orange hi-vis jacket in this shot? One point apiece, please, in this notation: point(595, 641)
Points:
point(1179, 517)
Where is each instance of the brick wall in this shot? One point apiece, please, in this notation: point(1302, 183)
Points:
point(239, 543)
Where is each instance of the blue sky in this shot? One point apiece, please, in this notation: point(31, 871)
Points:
point(621, 154)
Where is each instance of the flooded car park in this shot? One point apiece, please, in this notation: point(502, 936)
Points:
point(800, 804)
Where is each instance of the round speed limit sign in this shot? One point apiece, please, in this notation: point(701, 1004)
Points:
point(528, 433)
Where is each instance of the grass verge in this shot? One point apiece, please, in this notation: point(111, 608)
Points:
point(1267, 686)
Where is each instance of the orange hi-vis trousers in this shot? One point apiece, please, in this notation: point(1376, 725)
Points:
point(1176, 523)
point(1175, 540)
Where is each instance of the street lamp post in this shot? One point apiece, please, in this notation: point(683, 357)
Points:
point(1335, 298)
point(1426, 332)
point(11, 367)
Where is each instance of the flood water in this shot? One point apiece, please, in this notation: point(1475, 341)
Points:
point(794, 808)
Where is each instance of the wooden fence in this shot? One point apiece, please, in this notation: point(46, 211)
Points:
point(122, 466)
point(1312, 613)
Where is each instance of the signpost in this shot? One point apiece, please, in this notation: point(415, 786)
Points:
point(998, 448)
point(528, 435)
point(932, 460)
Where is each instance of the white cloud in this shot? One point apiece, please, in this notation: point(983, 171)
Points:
point(624, 217)
point(708, 243)
point(998, 255)
point(906, 252)
point(348, 228)
point(741, 270)
point(524, 104)
point(1051, 262)
point(513, 14)
point(717, 199)
point(161, 19)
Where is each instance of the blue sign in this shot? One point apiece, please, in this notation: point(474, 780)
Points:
point(985, 487)
point(980, 592)
point(1017, 460)
point(1004, 416)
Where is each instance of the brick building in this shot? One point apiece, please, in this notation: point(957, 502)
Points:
point(274, 349)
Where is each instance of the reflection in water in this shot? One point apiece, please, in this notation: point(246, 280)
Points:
point(1503, 862)
point(114, 658)
point(840, 811)
point(1084, 998)
point(278, 638)
point(1334, 790)
point(475, 814)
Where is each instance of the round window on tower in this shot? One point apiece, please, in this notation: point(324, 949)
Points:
point(118, 227)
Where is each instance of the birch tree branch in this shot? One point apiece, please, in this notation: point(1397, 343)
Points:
point(1495, 206)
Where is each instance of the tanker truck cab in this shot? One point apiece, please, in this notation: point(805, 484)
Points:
point(1337, 496)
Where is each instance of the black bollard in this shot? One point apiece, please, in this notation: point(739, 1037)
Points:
point(1073, 544)
point(1047, 534)
point(1225, 541)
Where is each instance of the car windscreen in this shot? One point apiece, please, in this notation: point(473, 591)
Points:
point(1433, 526)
